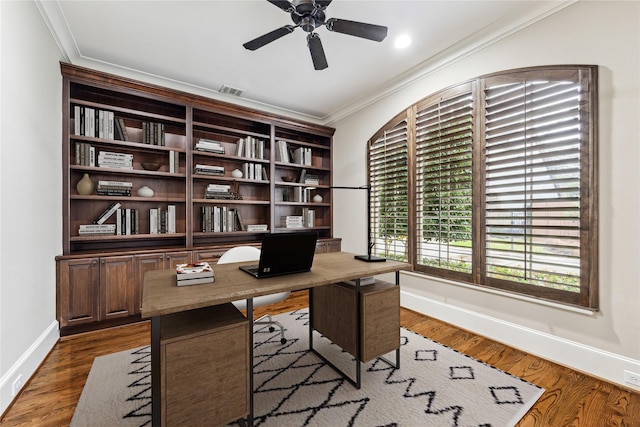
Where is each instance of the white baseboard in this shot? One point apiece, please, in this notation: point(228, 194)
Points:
point(27, 364)
point(590, 360)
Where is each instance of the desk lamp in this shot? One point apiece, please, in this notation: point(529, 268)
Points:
point(368, 257)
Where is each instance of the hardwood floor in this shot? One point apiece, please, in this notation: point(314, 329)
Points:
point(571, 398)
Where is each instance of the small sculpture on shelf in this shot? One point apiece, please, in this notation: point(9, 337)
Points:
point(145, 191)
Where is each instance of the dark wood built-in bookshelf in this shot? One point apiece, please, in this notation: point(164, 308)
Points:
point(178, 145)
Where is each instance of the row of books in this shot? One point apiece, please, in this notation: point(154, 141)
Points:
point(286, 154)
point(296, 194)
point(194, 274)
point(127, 222)
point(153, 133)
point(220, 219)
point(210, 146)
point(250, 147)
point(85, 154)
point(114, 188)
point(255, 171)
point(93, 122)
point(162, 221)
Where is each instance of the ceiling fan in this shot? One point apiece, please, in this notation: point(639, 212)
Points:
point(309, 15)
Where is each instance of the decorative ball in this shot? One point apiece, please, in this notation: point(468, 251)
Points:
point(236, 173)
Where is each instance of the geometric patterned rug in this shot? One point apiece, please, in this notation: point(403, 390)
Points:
point(435, 386)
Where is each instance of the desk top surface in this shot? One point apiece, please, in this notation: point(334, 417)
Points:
point(161, 295)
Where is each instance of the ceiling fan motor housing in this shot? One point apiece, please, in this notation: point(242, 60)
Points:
point(308, 18)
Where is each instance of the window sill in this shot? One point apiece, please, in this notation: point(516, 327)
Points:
point(547, 303)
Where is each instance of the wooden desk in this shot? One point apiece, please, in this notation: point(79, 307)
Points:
point(161, 296)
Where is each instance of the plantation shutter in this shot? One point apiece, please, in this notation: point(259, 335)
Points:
point(533, 137)
point(389, 201)
point(444, 141)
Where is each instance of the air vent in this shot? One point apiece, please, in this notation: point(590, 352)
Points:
point(231, 90)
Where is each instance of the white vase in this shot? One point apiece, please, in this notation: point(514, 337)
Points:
point(317, 198)
point(236, 173)
point(145, 191)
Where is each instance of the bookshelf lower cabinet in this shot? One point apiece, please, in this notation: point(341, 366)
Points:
point(204, 358)
point(117, 292)
point(78, 284)
point(334, 316)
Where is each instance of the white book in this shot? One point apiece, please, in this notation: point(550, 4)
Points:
point(172, 162)
point(171, 219)
point(153, 221)
point(102, 183)
point(110, 124)
point(119, 221)
point(77, 120)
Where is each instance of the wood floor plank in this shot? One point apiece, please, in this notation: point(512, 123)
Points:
point(571, 398)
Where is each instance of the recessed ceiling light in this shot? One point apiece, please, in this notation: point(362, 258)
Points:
point(402, 41)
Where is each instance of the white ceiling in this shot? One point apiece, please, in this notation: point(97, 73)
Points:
point(197, 46)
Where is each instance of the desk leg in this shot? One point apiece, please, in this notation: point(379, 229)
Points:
point(156, 392)
point(384, 359)
point(250, 319)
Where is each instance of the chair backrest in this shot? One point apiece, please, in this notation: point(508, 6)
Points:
point(239, 254)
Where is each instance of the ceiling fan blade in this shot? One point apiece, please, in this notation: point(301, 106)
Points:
point(269, 37)
point(359, 29)
point(317, 52)
point(283, 4)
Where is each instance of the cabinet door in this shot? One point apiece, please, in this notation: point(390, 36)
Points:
point(173, 258)
point(117, 296)
point(144, 263)
point(78, 283)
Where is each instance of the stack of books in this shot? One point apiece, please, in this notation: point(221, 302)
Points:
point(97, 229)
point(257, 227)
point(308, 178)
point(114, 188)
point(210, 146)
point(293, 221)
point(210, 170)
point(194, 274)
point(108, 159)
point(219, 191)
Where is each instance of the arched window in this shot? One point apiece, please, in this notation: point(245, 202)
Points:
point(493, 182)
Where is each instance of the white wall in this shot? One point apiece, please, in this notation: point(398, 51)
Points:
point(605, 343)
point(30, 192)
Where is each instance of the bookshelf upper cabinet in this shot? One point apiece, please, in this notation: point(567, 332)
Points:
point(147, 167)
